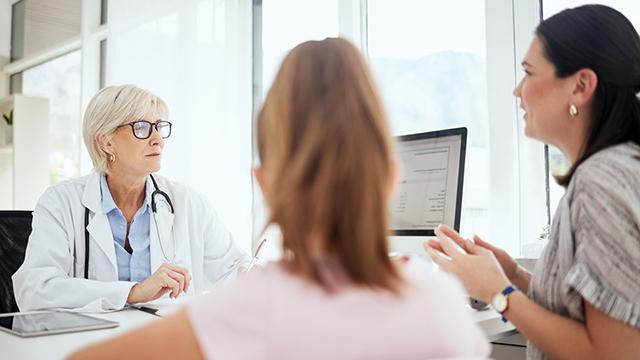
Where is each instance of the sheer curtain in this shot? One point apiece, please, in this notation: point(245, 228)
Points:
point(196, 55)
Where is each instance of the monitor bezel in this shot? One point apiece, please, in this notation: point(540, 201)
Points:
point(459, 131)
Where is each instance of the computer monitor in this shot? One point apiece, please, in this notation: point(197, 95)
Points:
point(430, 188)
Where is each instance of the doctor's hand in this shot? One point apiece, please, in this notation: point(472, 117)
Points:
point(475, 266)
point(168, 278)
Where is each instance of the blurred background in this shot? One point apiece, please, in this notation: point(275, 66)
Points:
point(439, 64)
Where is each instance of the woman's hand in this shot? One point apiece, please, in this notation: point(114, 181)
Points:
point(168, 278)
point(516, 273)
point(475, 266)
point(509, 265)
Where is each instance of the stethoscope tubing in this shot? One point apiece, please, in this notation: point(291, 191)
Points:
point(155, 193)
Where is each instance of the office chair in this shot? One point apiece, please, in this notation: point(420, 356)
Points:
point(15, 228)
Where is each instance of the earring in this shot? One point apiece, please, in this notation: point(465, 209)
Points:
point(111, 158)
point(573, 110)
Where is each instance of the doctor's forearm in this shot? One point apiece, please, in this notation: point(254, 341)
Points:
point(74, 293)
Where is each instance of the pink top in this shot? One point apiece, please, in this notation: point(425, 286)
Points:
point(273, 314)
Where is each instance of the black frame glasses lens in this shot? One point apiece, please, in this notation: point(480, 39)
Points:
point(142, 129)
point(163, 128)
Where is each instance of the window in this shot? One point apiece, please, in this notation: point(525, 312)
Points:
point(42, 27)
point(59, 81)
point(286, 23)
point(54, 57)
point(430, 64)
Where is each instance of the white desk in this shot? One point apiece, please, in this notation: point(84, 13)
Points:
point(59, 346)
point(491, 324)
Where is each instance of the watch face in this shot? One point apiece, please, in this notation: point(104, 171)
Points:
point(499, 303)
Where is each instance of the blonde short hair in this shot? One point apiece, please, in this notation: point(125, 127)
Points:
point(114, 106)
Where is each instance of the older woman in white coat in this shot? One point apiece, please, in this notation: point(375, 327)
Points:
point(122, 235)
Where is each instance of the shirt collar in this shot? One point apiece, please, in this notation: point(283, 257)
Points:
point(109, 205)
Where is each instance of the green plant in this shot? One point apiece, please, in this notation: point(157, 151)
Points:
point(544, 235)
point(8, 118)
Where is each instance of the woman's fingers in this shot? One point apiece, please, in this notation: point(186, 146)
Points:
point(449, 238)
point(433, 244)
point(472, 247)
point(446, 243)
point(437, 258)
point(450, 233)
point(478, 240)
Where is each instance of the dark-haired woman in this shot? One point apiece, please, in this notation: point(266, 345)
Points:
point(579, 94)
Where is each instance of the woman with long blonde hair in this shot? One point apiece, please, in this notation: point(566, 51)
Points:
point(327, 174)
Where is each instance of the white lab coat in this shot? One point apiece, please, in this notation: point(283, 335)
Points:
point(50, 278)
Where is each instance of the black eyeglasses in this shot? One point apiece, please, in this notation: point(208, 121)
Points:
point(142, 129)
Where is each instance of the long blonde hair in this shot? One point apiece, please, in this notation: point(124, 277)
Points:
point(323, 137)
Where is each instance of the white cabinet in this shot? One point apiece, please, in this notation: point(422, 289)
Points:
point(24, 173)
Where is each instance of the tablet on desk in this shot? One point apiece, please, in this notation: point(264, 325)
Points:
point(51, 322)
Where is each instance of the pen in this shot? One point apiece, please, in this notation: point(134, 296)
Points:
point(256, 256)
point(148, 310)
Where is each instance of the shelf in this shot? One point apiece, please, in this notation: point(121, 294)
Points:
point(6, 150)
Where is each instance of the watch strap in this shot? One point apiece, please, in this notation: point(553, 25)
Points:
point(508, 290)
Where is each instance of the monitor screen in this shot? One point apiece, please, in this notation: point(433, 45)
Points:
point(430, 188)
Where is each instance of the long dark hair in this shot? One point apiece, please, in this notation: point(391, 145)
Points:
point(599, 38)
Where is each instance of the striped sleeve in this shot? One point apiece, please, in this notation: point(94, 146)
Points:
point(606, 219)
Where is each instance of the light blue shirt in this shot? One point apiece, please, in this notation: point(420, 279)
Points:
point(137, 265)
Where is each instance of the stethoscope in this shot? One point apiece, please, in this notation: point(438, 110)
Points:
point(154, 210)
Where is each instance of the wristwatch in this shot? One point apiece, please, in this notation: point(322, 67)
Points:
point(500, 302)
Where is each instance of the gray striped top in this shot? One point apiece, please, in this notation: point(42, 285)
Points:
point(594, 242)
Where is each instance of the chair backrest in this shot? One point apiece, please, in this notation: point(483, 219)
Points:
point(15, 228)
